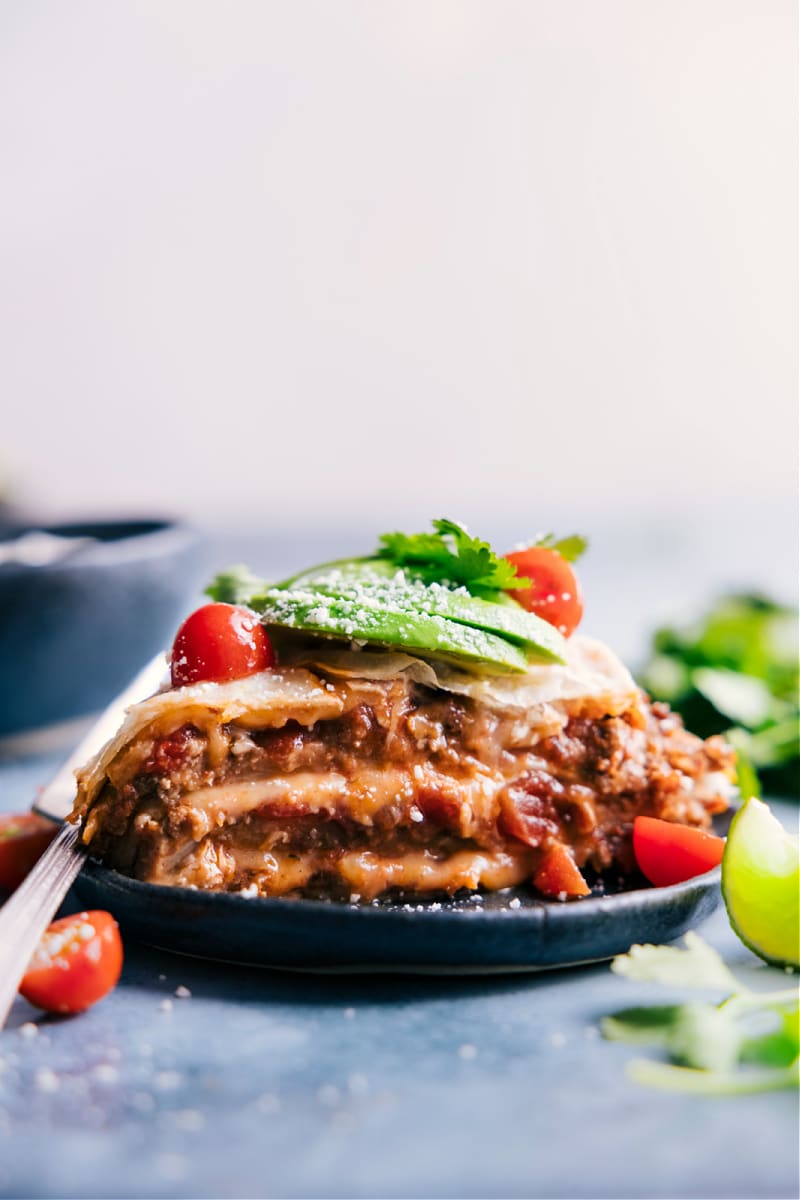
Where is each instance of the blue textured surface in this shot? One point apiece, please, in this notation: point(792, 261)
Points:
point(270, 1084)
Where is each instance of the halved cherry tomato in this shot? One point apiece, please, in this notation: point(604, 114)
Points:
point(667, 853)
point(217, 642)
point(77, 962)
point(23, 841)
point(554, 594)
point(558, 875)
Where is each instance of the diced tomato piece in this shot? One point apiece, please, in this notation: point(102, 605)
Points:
point(555, 593)
point(439, 809)
point(169, 752)
point(77, 962)
point(668, 853)
point(285, 746)
point(23, 841)
point(528, 811)
point(558, 875)
point(218, 642)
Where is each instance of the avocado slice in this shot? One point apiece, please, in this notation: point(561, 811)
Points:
point(386, 623)
point(353, 592)
point(536, 637)
point(503, 616)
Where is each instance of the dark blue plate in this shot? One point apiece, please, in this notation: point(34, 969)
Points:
point(502, 931)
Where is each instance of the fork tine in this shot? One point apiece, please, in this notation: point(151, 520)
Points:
point(26, 915)
point(24, 918)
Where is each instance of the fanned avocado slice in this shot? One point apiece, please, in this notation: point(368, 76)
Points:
point(368, 619)
point(370, 600)
point(356, 581)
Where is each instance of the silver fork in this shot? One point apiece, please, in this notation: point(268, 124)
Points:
point(24, 918)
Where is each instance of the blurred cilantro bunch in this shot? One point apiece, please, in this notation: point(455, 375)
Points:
point(735, 671)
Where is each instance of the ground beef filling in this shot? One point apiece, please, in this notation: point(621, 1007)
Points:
point(417, 791)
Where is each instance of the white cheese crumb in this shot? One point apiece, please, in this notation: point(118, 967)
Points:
point(515, 902)
point(242, 744)
point(416, 814)
point(46, 1080)
point(250, 892)
point(28, 1030)
point(183, 993)
point(105, 1073)
point(166, 1005)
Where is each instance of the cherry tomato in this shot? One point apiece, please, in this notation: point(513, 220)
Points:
point(217, 642)
point(77, 962)
point(554, 594)
point(558, 875)
point(668, 853)
point(23, 841)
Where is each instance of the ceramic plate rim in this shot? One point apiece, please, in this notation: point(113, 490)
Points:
point(409, 909)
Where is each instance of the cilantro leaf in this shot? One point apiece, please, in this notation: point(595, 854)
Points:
point(696, 966)
point(711, 1083)
point(450, 556)
point(570, 548)
point(742, 699)
point(236, 585)
point(644, 1026)
point(776, 1049)
point(747, 779)
point(736, 664)
point(748, 1043)
point(705, 1037)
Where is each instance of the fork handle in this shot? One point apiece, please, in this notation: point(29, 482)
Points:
point(26, 915)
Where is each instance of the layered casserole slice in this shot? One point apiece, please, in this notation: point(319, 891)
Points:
point(347, 765)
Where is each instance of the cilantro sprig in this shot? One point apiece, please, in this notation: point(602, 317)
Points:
point(451, 555)
point(570, 548)
point(735, 671)
point(748, 1042)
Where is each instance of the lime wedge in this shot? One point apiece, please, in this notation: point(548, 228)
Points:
point(761, 884)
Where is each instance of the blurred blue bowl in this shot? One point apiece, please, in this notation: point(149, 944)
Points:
point(79, 616)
